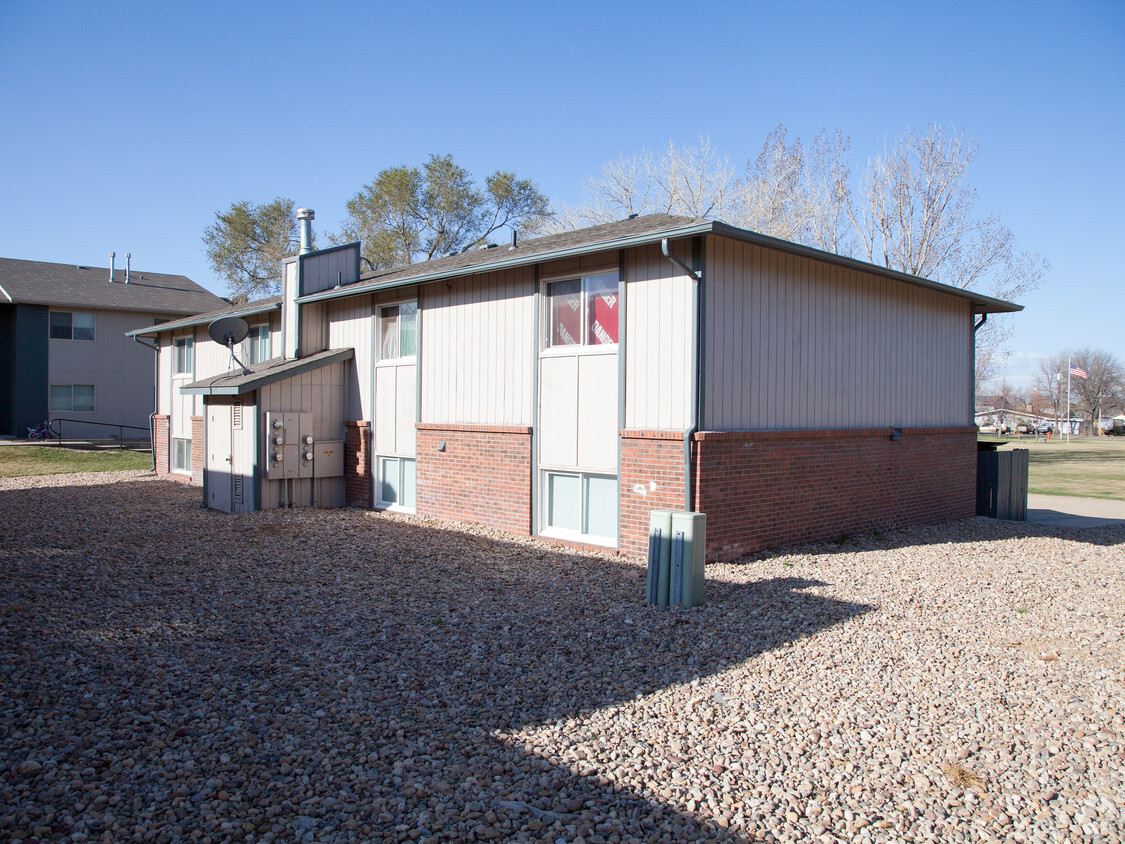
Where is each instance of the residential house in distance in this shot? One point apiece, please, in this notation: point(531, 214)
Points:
point(567, 385)
point(64, 354)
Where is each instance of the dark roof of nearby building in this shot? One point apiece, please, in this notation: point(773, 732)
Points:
point(636, 231)
point(260, 374)
point(246, 309)
point(70, 286)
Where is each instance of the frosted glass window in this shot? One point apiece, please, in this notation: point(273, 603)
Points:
point(83, 327)
point(83, 397)
point(397, 482)
point(409, 483)
point(60, 397)
point(259, 341)
point(600, 506)
point(389, 481)
point(181, 455)
point(563, 502)
point(71, 397)
point(183, 356)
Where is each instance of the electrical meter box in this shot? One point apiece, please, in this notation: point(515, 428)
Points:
point(290, 446)
point(328, 460)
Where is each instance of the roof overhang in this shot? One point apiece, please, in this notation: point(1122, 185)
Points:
point(262, 374)
point(981, 304)
point(251, 309)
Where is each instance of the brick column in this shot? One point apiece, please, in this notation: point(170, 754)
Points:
point(357, 463)
point(162, 456)
point(652, 478)
point(197, 450)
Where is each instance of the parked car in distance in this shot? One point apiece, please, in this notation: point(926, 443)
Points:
point(1045, 428)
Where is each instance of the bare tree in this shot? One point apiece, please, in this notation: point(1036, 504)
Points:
point(1049, 381)
point(1104, 374)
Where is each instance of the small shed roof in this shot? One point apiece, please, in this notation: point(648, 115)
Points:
point(636, 231)
point(70, 286)
point(261, 374)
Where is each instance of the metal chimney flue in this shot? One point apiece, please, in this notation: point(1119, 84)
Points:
point(305, 216)
point(112, 255)
point(128, 259)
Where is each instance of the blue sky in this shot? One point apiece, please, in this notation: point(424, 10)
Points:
point(126, 126)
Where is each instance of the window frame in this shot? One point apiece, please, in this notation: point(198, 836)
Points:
point(70, 408)
point(187, 343)
point(71, 328)
point(401, 358)
point(552, 532)
point(546, 344)
point(259, 334)
point(180, 447)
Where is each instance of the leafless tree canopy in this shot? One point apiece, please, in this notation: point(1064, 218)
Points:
point(1097, 396)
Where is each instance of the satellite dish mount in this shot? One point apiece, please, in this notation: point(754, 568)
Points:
point(226, 331)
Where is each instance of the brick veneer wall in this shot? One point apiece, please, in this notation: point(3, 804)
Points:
point(161, 444)
point(197, 450)
point(484, 474)
point(652, 478)
point(762, 489)
point(357, 463)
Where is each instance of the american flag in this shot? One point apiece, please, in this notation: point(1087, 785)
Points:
point(1077, 371)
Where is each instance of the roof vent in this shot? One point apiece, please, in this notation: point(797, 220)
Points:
point(514, 245)
point(633, 216)
point(490, 246)
point(305, 216)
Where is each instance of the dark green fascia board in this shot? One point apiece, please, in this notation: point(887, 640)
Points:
point(192, 321)
point(249, 383)
point(981, 303)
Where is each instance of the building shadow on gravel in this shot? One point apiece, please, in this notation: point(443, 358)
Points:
point(331, 675)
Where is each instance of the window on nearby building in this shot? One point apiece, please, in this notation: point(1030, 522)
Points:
point(71, 325)
point(71, 398)
point(397, 482)
point(398, 331)
point(183, 355)
point(583, 311)
point(579, 505)
point(181, 455)
point(259, 342)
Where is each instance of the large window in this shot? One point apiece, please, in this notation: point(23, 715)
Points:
point(183, 355)
point(397, 483)
point(581, 506)
point(583, 311)
point(181, 455)
point(259, 343)
point(72, 398)
point(398, 331)
point(71, 325)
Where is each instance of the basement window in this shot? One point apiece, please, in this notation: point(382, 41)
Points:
point(581, 506)
point(583, 311)
point(398, 331)
point(181, 455)
point(397, 483)
point(71, 325)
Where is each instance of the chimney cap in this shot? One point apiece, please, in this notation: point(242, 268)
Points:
point(306, 214)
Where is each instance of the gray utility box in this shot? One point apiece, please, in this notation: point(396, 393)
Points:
point(676, 545)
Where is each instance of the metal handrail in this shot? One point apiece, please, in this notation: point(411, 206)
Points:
point(57, 431)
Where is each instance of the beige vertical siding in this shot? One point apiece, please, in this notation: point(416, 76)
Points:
point(314, 328)
point(657, 330)
point(352, 326)
point(478, 349)
point(794, 343)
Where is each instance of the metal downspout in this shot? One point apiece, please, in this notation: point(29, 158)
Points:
point(973, 380)
point(696, 279)
point(155, 399)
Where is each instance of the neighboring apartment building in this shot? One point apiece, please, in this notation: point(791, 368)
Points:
point(64, 353)
point(566, 386)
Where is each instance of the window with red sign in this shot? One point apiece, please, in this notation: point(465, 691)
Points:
point(584, 312)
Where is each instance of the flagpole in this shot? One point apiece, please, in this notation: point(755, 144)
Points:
point(1068, 364)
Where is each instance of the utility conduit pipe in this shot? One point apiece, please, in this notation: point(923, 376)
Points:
point(696, 281)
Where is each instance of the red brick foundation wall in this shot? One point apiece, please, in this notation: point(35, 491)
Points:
point(357, 463)
point(762, 489)
point(197, 450)
point(484, 474)
point(652, 478)
point(161, 445)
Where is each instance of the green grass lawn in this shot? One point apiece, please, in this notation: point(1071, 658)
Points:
point(1090, 467)
point(22, 460)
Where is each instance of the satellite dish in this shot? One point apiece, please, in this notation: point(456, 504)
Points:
point(226, 331)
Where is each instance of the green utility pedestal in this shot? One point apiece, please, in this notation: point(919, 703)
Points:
point(659, 556)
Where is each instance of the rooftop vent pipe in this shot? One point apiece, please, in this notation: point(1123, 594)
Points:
point(305, 216)
point(514, 245)
point(128, 259)
point(112, 255)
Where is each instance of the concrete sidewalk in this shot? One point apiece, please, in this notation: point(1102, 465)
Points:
point(1070, 511)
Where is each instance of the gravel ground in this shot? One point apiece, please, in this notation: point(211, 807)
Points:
point(170, 673)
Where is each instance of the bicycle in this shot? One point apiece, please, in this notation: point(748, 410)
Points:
point(40, 432)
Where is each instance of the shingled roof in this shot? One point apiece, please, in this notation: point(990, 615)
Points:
point(70, 286)
point(246, 309)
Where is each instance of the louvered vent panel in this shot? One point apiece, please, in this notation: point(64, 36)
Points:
point(236, 489)
point(236, 415)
